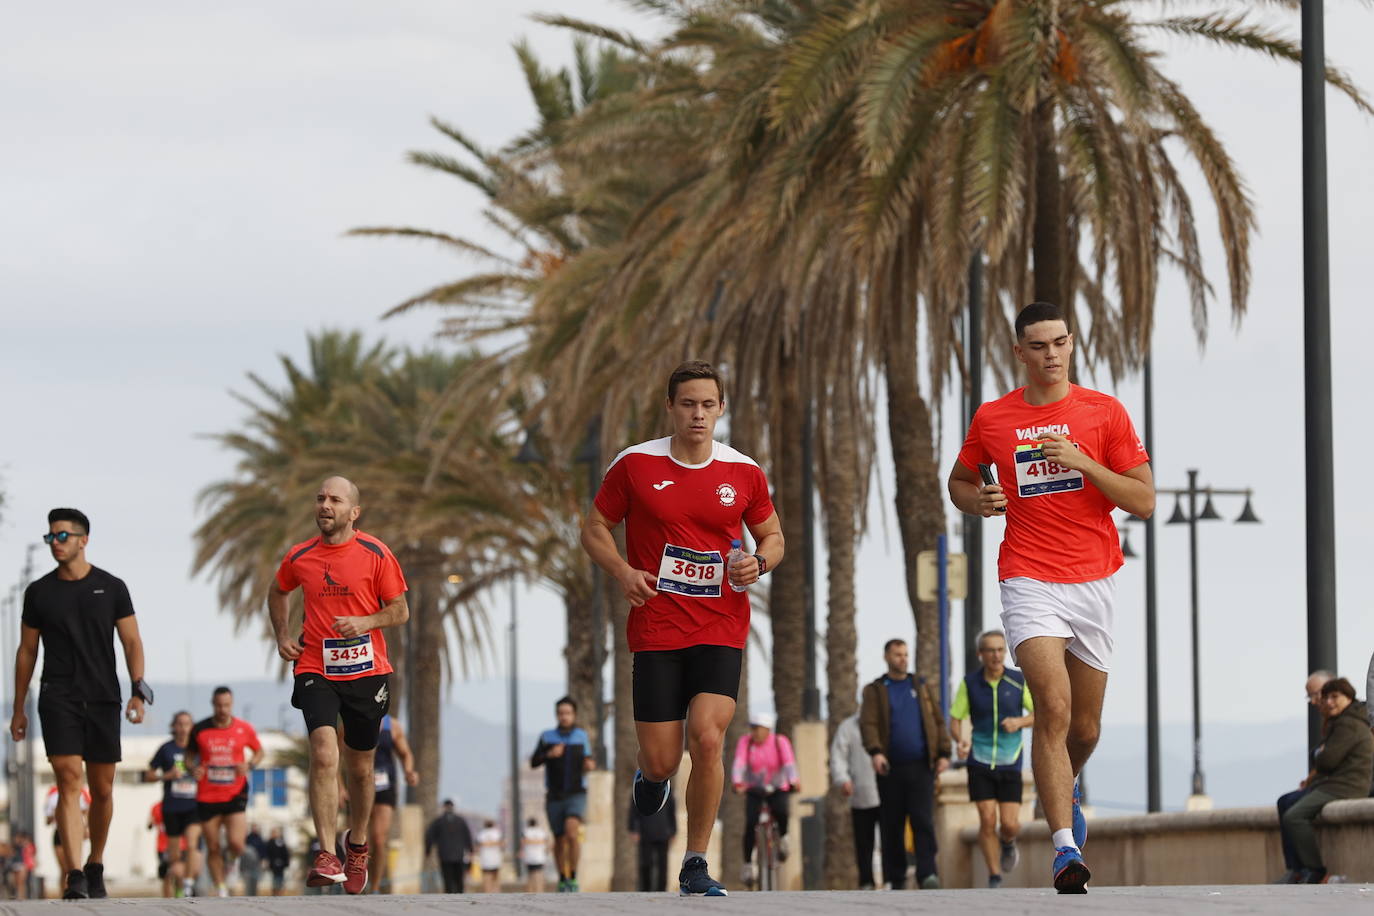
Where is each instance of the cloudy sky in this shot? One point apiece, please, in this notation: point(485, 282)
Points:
point(177, 179)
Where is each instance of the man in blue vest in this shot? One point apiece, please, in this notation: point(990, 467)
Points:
point(999, 704)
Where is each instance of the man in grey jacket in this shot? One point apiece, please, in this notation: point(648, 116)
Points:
point(851, 769)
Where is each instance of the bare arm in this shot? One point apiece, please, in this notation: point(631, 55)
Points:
point(1133, 490)
point(403, 753)
point(25, 658)
point(279, 610)
point(768, 544)
point(597, 540)
point(127, 628)
point(394, 613)
point(971, 496)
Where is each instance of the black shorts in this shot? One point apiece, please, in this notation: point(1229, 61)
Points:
point(164, 865)
point(74, 726)
point(236, 805)
point(986, 784)
point(385, 797)
point(359, 703)
point(666, 681)
point(176, 822)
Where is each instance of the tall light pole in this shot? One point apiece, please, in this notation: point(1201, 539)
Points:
point(514, 700)
point(1191, 518)
point(973, 523)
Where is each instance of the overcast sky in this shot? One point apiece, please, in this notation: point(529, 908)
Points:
point(177, 179)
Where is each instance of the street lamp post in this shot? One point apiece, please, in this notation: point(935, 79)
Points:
point(1193, 516)
point(514, 700)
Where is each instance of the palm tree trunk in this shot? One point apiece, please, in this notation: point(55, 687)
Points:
point(426, 682)
point(840, 494)
point(624, 873)
point(580, 653)
point(919, 496)
point(787, 594)
point(1047, 243)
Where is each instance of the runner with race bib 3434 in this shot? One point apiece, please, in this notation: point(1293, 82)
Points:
point(684, 500)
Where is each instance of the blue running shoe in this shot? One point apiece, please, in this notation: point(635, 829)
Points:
point(649, 797)
point(1070, 874)
point(1080, 823)
point(695, 881)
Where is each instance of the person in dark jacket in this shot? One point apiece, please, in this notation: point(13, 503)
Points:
point(902, 731)
point(1340, 769)
point(653, 834)
point(449, 836)
point(278, 859)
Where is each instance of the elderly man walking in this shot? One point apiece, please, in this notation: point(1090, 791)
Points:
point(851, 772)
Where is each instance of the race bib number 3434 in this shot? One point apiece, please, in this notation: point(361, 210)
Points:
point(347, 657)
point(1035, 476)
point(695, 573)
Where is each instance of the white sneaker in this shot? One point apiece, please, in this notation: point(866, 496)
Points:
point(224, 890)
point(783, 848)
point(746, 873)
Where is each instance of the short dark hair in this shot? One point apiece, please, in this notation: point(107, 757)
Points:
point(1339, 685)
point(1035, 313)
point(887, 646)
point(75, 516)
point(569, 700)
point(221, 689)
point(691, 370)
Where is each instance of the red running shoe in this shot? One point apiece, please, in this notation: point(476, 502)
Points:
point(327, 870)
point(355, 866)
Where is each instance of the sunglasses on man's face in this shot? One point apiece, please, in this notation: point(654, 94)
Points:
point(60, 537)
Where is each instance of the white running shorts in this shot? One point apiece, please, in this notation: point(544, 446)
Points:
point(1080, 612)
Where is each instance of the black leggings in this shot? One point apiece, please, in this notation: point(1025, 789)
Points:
point(779, 806)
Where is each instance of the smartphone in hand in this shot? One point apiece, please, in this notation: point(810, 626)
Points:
point(988, 480)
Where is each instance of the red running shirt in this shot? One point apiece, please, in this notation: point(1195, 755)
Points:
point(221, 750)
point(156, 817)
point(679, 522)
point(352, 579)
point(1059, 526)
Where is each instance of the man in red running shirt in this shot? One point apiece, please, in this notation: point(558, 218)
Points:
point(218, 758)
point(683, 499)
point(1067, 456)
point(353, 588)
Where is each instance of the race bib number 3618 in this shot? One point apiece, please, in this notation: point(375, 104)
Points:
point(695, 573)
point(1035, 476)
point(347, 657)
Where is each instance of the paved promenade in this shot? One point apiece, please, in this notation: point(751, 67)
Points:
point(1137, 901)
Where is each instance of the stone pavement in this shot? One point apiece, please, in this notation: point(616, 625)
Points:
point(1137, 901)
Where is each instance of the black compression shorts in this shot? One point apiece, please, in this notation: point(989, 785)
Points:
point(666, 681)
point(986, 784)
point(359, 703)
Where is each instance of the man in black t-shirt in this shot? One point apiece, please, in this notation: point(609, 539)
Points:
point(75, 611)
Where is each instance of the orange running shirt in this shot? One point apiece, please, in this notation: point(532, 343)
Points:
point(220, 751)
point(156, 817)
point(352, 579)
point(1059, 526)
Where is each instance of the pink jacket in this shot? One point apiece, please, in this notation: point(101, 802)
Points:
point(767, 765)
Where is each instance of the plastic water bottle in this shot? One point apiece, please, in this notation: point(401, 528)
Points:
point(736, 552)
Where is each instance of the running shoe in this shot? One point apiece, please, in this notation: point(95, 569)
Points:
point(1292, 876)
point(1011, 856)
point(783, 848)
point(1070, 874)
point(573, 887)
point(695, 881)
point(95, 880)
point(1314, 876)
point(746, 874)
point(326, 871)
point(562, 885)
point(76, 886)
point(994, 881)
point(1080, 823)
point(222, 890)
point(649, 797)
point(355, 865)
point(930, 883)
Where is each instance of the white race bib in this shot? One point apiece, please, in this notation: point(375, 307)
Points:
point(222, 776)
point(1035, 476)
point(348, 657)
point(381, 780)
point(695, 573)
point(184, 788)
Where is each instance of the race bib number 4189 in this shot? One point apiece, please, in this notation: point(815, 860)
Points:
point(1035, 476)
point(695, 573)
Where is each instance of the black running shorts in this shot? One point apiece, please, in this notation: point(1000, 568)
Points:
point(384, 797)
point(360, 704)
point(236, 805)
point(176, 822)
point(74, 727)
point(666, 681)
point(986, 784)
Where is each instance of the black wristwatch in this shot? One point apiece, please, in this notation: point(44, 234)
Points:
point(763, 564)
point(140, 689)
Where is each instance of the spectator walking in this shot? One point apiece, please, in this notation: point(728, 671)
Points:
point(1292, 867)
point(251, 863)
point(899, 720)
point(534, 852)
point(565, 753)
point(23, 863)
point(490, 852)
point(278, 859)
point(997, 701)
point(449, 836)
point(851, 771)
point(1340, 769)
point(765, 770)
point(653, 834)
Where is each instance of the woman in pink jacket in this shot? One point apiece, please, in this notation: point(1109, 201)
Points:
point(766, 770)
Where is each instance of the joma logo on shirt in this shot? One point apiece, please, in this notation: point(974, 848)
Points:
point(1035, 432)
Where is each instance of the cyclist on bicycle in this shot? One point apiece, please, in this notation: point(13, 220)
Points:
point(766, 770)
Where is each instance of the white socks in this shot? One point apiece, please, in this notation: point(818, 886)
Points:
point(1064, 838)
point(693, 855)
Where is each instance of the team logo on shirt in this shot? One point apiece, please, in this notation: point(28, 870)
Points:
point(727, 494)
point(332, 589)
